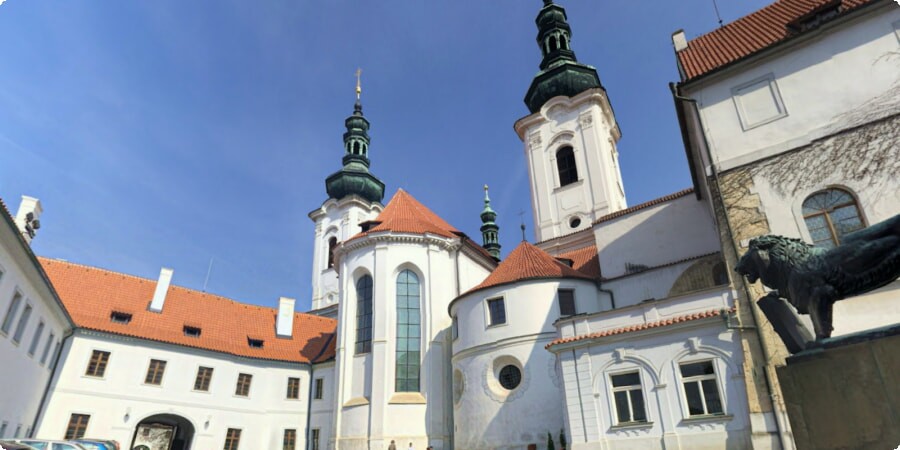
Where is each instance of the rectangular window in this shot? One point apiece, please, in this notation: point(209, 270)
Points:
point(204, 375)
point(11, 312)
point(36, 339)
point(192, 331)
point(497, 311)
point(567, 302)
point(293, 388)
point(701, 390)
point(18, 432)
point(155, 372)
point(47, 347)
point(97, 366)
point(77, 426)
point(23, 322)
point(628, 398)
point(314, 439)
point(3, 429)
point(243, 385)
point(319, 388)
point(290, 440)
point(120, 317)
point(232, 439)
point(454, 328)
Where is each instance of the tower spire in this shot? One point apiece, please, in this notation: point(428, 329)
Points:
point(355, 178)
point(490, 232)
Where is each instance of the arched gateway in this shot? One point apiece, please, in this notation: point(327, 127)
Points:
point(163, 432)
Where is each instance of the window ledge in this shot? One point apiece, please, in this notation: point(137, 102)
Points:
point(707, 418)
point(407, 398)
point(570, 185)
point(631, 426)
point(357, 401)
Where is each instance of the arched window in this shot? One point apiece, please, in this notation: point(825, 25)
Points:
point(829, 215)
point(332, 243)
point(565, 163)
point(564, 42)
point(408, 330)
point(553, 44)
point(364, 315)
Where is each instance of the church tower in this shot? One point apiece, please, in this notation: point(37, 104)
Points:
point(354, 197)
point(570, 136)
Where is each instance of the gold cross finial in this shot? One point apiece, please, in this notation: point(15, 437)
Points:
point(358, 86)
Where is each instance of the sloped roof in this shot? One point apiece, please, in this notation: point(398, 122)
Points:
point(643, 326)
point(527, 262)
point(405, 214)
point(754, 33)
point(92, 294)
point(585, 260)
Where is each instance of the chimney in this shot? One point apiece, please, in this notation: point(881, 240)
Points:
point(679, 41)
point(284, 324)
point(27, 218)
point(162, 287)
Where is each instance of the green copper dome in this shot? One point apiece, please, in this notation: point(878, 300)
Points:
point(354, 178)
point(490, 232)
point(561, 73)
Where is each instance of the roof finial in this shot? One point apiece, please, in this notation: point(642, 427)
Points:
point(358, 85)
point(490, 232)
point(522, 218)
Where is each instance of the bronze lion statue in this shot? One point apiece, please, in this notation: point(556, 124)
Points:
point(812, 278)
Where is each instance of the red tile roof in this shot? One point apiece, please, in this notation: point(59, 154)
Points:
point(91, 294)
point(527, 262)
point(405, 214)
point(641, 206)
point(585, 260)
point(752, 34)
point(642, 326)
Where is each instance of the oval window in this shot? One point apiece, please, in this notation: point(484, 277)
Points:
point(575, 222)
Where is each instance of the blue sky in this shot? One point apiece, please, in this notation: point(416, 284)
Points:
point(166, 133)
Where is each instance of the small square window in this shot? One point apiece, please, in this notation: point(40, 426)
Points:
point(120, 317)
point(567, 302)
point(497, 311)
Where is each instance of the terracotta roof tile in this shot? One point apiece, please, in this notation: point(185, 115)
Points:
point(585, 260)
point(405, 214)
point(642, 326)
point(752, 34)
point(527, 262)
point(641, 206)
point(91, 294)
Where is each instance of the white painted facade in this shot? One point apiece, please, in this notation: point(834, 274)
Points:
point(585, 123)
point(119, 400)
point(338, 220)
point(369, 411)
point(33, 324)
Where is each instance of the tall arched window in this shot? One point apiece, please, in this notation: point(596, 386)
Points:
point(364, 315)
point(408, 331)
point(332, 243)
point(829, 215)
point(553, 45)
point(565, 163)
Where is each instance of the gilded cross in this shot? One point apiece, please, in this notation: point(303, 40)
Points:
point(358, 85)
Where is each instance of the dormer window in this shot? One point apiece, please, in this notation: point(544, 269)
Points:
point(255, 343)
point(190, 331)
point(120, 317)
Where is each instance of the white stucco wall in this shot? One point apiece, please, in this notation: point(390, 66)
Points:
point(656, 235)
point(818, 79)
point(369, 413)
point(487, 415)
point(23, 375)
point(119, 400)
point(586, 123)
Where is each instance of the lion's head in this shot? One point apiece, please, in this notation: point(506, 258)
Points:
point(771, 258)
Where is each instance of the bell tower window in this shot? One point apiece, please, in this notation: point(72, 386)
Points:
point(332, 243)
point(565, 164)
point(553, 44)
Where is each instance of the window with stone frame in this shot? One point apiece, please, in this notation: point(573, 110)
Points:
point(155, 372)
point(567, 302)
point(290, 440)
point(408, 353)
point(565, 165)
point(204, 376)
point(243, 385)
point(97, 365)
point(628, 398)
point(364, 315)
point(332, 243)
point(701, 388)
point(319, 389)
point(77, 426)
point(314, 439)
point(232, 439)
point(293, 388)
point(496, 311)
point(830, 215)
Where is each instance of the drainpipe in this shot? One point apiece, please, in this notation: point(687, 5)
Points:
point(767, 354)
point(309, 400)
point(612, 296)
point(42, 405)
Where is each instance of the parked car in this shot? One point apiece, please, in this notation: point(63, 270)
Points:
point(97, 444)
point(43, 444)
point(10, 445)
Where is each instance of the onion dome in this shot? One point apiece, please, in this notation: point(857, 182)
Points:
point(354, 178)
point(490, 232)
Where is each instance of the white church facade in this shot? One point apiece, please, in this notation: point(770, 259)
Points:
point(618, 328)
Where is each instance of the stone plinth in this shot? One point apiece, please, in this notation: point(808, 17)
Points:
point(845, 392)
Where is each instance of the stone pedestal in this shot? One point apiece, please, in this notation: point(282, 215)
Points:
point(844, 393)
